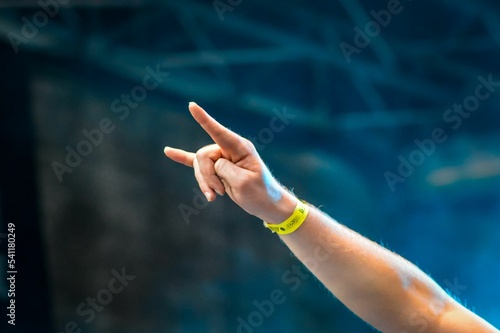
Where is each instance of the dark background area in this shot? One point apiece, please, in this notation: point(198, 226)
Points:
point(123, 208)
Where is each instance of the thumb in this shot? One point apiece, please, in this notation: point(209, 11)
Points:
point(227, 171)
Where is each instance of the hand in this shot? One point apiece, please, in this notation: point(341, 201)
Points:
point(233, 166)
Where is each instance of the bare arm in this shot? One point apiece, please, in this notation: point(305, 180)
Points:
point(379, 286)
point(382, 288)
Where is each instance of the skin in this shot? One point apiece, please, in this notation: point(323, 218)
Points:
point(382, 288)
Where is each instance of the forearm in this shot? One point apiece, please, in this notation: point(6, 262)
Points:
point(379, 286)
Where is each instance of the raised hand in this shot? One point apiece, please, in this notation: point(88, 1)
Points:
point(232, 165)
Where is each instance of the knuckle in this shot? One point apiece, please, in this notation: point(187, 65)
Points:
point(246, 145)
point(202, 152)
point(207, 151)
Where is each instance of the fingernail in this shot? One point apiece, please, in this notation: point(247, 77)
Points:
point(165, 149)
point(207, 195)
point(192, 103)
point(219, 192)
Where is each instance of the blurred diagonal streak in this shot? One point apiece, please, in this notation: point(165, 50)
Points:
point(472, 169)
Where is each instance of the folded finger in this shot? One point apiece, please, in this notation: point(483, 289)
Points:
point(206, 158)
point(204, 187)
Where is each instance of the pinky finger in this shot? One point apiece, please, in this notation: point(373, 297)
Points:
point(180, 156)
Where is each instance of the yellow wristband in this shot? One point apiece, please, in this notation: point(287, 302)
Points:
point(293, 222)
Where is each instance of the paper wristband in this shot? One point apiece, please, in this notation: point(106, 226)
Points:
point(293, 222)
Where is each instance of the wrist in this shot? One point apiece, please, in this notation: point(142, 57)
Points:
point(281, 209)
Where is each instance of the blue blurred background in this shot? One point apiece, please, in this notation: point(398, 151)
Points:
point(384, 113)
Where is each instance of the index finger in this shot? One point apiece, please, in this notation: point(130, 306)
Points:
point(225, 138)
